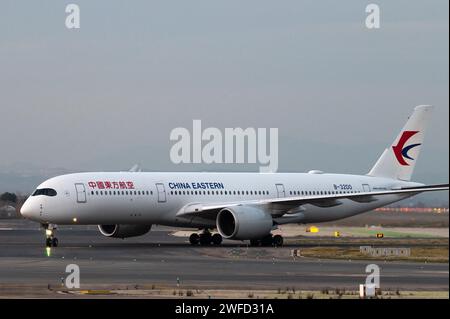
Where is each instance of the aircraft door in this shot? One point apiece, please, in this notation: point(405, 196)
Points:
point(81, 192)
point(366, 187)
point(280, 191)
point(161, 192)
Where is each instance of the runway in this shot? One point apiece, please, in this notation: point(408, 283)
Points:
point(159, 258)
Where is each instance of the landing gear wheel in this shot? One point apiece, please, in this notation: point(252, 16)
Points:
point(194, 239)
point(216, 239)
point(50, 232)
point(277, 240)
point(205, 239)
point(267, 241)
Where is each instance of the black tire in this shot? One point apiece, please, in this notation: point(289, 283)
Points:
point(216, 239)
point(205, 239)
point(194, 239)
point(48, 242)
point(55, 242)
point(267, 241)
point(277, 240)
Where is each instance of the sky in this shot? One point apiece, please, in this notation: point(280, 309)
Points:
point(106, 96)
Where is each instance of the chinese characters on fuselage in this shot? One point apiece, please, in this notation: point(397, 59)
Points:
point(111, 185)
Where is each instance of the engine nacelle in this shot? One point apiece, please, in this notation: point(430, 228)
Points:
point(244, 222)
point(123, 231)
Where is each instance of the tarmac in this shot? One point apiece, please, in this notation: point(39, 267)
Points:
point(159, 258)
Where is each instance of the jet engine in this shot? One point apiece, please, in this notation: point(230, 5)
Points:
point(244, 222)
point(123, 231)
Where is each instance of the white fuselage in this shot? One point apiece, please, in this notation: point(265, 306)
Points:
point(157, 198)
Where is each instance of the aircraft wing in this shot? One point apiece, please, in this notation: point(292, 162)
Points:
point(285, 204)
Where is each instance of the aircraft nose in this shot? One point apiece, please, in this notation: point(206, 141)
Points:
point(27, 209)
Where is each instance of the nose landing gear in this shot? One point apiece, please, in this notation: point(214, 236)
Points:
point(50, 235)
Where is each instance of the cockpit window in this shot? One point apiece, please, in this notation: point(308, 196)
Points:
point(45, 192)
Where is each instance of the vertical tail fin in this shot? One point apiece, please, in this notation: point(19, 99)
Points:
point(398, 161)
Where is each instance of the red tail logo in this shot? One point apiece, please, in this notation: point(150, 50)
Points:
point(400, 151)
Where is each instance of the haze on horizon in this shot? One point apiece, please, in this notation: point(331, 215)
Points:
point(106, 96)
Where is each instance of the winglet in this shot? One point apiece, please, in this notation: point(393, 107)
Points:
point(136, 168)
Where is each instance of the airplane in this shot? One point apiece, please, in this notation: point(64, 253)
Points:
point(240, 206)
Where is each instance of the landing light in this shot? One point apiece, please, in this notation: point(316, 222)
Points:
point(48, 232)
point(74, 219)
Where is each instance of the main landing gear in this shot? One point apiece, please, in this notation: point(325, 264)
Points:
point(205, 239)
point(50, 235)
point(269, 240)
